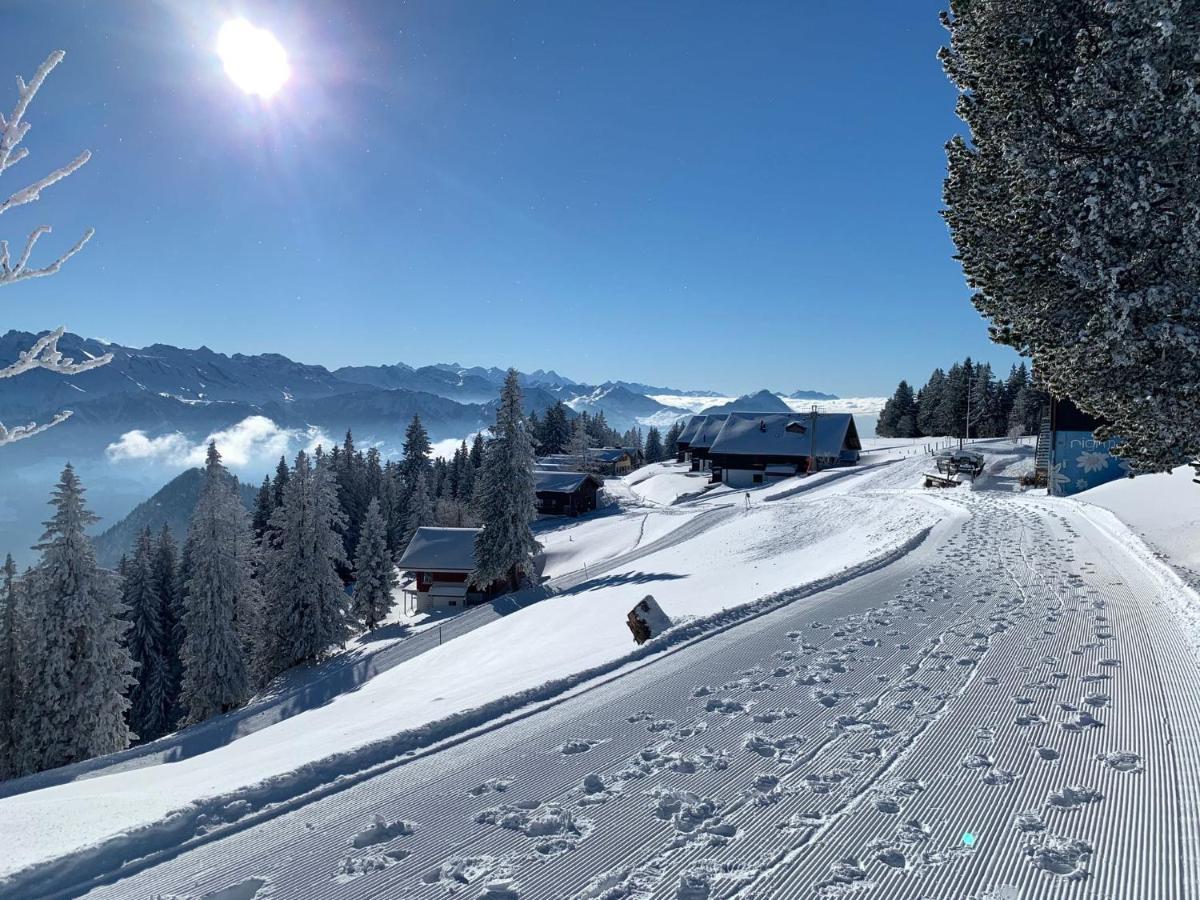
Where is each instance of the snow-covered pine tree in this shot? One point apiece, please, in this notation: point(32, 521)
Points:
point(1075, 205)
point(44, 354)
point(929, 403)
point(306, 610)
point(375, 575)
point(420, 508)
point(75, 699)
point(654, 447)
point(350, 471)
point(416, 451)
point(219, 582)
point(166, 574)
point(149, 645)
point(671, 441)
point(10, 667)
point(556, 429)
point(506, 501)
point(279, 482)
point(580, 442)
point(264, 505)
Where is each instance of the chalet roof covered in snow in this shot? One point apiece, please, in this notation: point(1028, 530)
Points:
point(691, 428)
point(554, 481)
point(607, 454)
point(708, 431)
point(440, 550)
point(786, 434)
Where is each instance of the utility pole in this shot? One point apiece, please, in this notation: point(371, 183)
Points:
point(970, 390)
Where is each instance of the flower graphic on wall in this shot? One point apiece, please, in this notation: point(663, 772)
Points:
point(1093, 461)
point(1082, 484)
point(1058, 479)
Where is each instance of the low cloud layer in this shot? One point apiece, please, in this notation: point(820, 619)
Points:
point(252, 442)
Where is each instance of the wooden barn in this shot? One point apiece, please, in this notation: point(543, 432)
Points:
point(441, 561)
point(754, 448)
point(565, 493)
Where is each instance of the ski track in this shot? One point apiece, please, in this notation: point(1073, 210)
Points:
point(1020, 676)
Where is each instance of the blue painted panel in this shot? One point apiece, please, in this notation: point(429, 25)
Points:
point(1081, 461)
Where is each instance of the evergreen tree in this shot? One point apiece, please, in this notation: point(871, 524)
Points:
point(219, 586)
point(305, 607)
point(556, 429)
point(654, 448)
point(671, 441)
point(375, 576)
point(505, 496)
point(477, 451)
point(167, 585)
point(75, 701)
point(417, 451)
point(280, 482)
point(929, 403)
point(264, 505)
point(420, 510)
point(1075, 204)
point(899, 415)
point(580, 443)
point(11, 675)
point(466, 478)
point(350, 470)
point(149, 701)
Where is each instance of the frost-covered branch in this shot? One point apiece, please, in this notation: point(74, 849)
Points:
point(20, 432)
point(12, 131)
point(44, 354)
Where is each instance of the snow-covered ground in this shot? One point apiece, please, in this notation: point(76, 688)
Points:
point(862, 673)
point(1163, 509)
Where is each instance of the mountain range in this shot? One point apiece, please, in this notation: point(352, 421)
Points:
point(162, 389)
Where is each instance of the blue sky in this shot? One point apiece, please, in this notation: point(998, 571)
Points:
point(698, 194)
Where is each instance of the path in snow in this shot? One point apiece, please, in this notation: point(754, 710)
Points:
point(1020, 678)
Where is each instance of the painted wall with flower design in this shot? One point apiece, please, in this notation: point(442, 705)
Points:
point(1080, 461)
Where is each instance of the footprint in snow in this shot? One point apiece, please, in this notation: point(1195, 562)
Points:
point(1065, 857)
point(382, 830)
point(1123, 761)
point(572, 747)
point(352, 867)
point(1073, 797)
point(1029, 822)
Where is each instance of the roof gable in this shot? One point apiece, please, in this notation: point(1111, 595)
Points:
point(708, 431)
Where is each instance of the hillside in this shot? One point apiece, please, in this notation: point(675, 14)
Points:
point(172, 506)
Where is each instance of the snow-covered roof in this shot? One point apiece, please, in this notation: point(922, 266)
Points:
point(559, 482)
point(708, 431)
point(607, 454)
point(440, 550)
point(690, 429)
point(768, 434)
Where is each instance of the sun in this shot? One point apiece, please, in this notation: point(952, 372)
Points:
point(253, 58)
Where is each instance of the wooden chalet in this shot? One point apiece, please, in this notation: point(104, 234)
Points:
point(565, 493)
point(613, 461)
point(755, 448)
point(441, 561)
point(685, 437)
point(702, 440)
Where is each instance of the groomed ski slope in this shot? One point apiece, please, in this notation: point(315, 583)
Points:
point(1010, 667)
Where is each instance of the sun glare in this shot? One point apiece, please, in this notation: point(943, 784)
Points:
point(253, 58)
